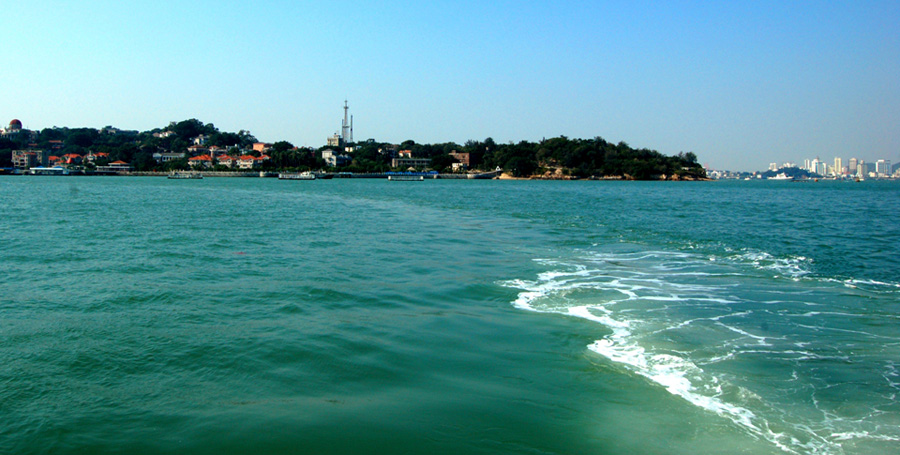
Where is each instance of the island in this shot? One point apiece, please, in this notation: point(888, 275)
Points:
point(194, 145)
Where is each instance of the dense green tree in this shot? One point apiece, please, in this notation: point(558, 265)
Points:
point(81, 138)
point(143, 160)
point(577, 157)
point(442, 163)
point(188, 129)
point(521, 166)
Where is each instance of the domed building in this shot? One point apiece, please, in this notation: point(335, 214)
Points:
point(15, 130)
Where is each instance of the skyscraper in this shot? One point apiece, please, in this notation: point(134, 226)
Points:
point(838, 166)
point(883, 168)
point(853, 163)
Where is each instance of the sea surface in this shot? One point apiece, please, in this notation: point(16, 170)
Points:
point(142, 315)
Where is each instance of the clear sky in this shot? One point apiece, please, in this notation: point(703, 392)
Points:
point(739, 83)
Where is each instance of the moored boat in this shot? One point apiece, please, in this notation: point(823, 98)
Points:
point(781, 176)
point(406, 178)
point(297, 176)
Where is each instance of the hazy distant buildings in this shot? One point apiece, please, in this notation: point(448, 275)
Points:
point(818, 167)
point(883, 168)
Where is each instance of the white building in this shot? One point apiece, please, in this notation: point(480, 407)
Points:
point(335, 160)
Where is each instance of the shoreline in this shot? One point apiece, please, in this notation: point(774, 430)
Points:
point(384, 176)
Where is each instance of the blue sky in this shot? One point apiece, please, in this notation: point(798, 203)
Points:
point(740, 84)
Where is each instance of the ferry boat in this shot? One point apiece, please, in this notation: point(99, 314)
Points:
point(406, 178)
point(781, 176)
point(185, 175)
point(55, 170)
point(295, 176)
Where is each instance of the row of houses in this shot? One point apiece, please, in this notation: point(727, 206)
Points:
point(243, 162)
point(36, 158)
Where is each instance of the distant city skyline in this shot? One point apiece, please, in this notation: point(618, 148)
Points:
point(740, 84)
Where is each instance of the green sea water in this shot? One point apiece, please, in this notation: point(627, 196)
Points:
point(230, 315)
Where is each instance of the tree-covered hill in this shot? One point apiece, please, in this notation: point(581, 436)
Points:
point(558, 157)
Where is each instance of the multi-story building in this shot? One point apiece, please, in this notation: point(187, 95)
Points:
point(202, 161)
point(165, 157)
point(334, 159)
point(335, 140)
point(261, 147)
point(818, 167)
point(465, 159)
point(227, 160)
point(852, 166)
point(116, 166)
point(24, 159)
point(410, 162)
point(883, 168)
point(838, 166)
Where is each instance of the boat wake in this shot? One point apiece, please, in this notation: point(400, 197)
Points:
point(690, 323)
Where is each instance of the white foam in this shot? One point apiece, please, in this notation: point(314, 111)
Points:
point(791, 267)
point(621, 278)
point(873, 283)
point(846, 436)
point(759, 339)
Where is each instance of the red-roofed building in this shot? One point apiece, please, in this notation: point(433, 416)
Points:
point(116, 166)
point(72, 158)
point(247, 162)
point(226, 160)
point(200, 161)
point(91, 156)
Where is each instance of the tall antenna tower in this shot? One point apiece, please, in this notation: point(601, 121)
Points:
point(346, 126)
